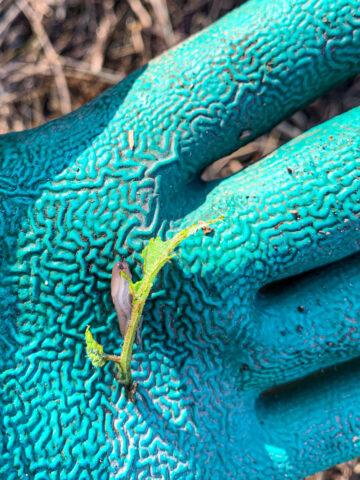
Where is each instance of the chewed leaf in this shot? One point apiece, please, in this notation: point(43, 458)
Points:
point(157, 251)
point(94, 349)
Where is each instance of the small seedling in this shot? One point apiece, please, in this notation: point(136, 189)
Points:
point(155, 255)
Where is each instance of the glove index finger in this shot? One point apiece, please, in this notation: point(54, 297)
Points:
point(238, 78)
point(297, 209)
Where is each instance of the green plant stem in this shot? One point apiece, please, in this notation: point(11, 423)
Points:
point(125, 357)
point(140, 297)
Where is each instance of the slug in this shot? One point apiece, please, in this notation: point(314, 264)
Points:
point(121, 297)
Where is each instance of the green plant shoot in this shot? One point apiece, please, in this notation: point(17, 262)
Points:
point(155, 255)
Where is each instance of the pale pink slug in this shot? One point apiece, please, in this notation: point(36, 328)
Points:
point(121, 297)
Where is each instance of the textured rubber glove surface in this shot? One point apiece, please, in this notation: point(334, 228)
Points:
point(83, 190)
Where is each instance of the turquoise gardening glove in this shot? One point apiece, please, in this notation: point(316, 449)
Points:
point(221, 340)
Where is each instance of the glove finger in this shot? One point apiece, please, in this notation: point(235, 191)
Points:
point(192, 107)
point(312, 424)
point(238, 78)
point(295, 210)
point(304, 324)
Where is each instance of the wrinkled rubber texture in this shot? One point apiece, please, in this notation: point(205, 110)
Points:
point(80, 192)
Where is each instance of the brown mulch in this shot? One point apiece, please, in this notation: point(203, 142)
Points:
point(343, 471)
point(55, 55)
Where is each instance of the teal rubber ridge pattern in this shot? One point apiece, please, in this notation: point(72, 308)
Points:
point(82, 191)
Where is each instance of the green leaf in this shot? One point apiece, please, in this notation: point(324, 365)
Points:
point(137, 287)
point(94, 349)
point(157, 251)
